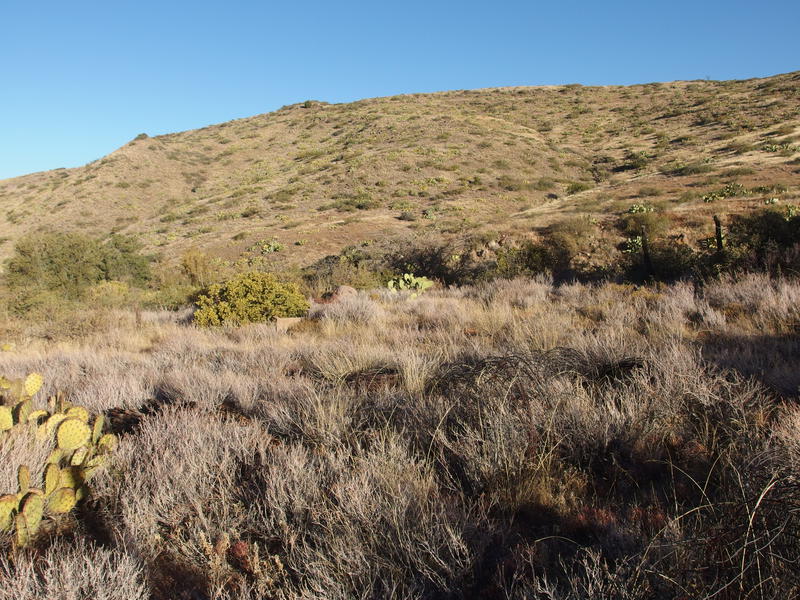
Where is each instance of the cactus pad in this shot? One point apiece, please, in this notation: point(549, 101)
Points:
point(55, 456)
point(107, 443)
point(53, 422)
point(79, 456)
point(97, 428)
point(32, 507)
point(80, 449)
point(8, 504)
point(37, 415)
point(6, 418)
point(81, 493)
point(97, 460)
point(79, 413)
point(51, 476)
point(23, 478)
point(70, 477)
point(72, 433)
point(21, 411)
point(61, 500)
point(21, 530)
point(33, 383)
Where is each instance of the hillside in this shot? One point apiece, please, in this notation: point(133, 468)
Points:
point(317, 176)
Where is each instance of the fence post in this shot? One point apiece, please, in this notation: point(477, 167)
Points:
point(718, 232)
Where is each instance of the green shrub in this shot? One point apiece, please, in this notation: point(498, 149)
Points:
point(198, 267)
point(634, 161)
point(544, 184)
point(122, 260)
point(779, 227)
point(108, 294)
point(766, 240)
point(55, 261)
point(654, 223)
point(512, 184)
point(39, 305)
point(693, 168)
point(451, 262)
point(672, 261)
point(576, 187)
point(650, 191)
point(669, 261)
point(267, 246)
point(353, 266)
point(69, 263)
point(249, 298)
point(530, 258)
point(328, 273)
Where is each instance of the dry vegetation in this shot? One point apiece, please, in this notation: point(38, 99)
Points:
point(502, 161)
point(506, 438)
point(513, 440)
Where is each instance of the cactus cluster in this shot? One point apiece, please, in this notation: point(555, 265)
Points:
point(409, 282)
point(79, 448)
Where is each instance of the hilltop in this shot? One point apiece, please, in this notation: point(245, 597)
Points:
point(317, 177)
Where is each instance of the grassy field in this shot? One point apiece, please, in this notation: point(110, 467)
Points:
point(513, 440)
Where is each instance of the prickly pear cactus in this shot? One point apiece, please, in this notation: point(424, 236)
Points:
point(23, 478)
point(79, 413)
point(52, 474)
point(78, 447)
point(409, 282)
point(32, 507)
point(72, 434)
point(33, 383)
point(61, 501)
point(6, 418)
point(8, 506)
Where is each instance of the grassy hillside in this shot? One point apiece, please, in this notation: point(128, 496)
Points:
point(317, 177)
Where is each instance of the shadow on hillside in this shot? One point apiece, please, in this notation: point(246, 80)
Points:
point(772, 360)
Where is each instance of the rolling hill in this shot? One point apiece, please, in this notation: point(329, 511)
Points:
point(317, 176)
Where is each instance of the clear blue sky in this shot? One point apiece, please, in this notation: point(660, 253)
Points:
point(79, 79)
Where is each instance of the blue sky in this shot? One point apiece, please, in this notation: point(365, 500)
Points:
point(79, 79)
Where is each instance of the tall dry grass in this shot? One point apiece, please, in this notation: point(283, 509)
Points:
point(518, 440)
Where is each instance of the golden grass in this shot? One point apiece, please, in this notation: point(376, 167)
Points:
point(513, 440)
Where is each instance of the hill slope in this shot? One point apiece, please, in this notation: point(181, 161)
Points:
point(505, 160)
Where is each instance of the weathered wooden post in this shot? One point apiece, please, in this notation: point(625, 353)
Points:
point(718, 233)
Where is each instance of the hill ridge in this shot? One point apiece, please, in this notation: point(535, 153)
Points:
point(509, 159)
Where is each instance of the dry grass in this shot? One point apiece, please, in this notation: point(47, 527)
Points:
point(517, 440)
point(72, 573)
